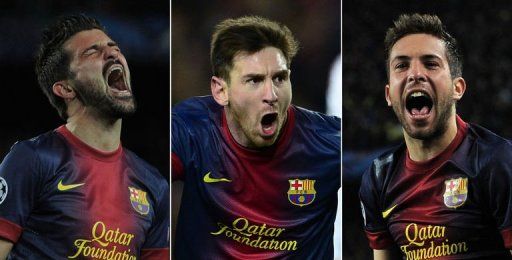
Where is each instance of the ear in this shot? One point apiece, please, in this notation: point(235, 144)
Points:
point(219, 89)
point(459, 87)
point(63, 90)
point(388, 99)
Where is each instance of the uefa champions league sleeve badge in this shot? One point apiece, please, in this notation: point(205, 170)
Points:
point(3, 190)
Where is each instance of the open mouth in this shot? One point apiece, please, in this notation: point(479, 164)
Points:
point(419, 103)
point(115, 78)
point(268, 123)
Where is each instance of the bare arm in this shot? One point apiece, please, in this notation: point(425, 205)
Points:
point(5, 248)
point(383, 254)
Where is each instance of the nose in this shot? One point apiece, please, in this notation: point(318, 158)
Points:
point(416, 72)
point(269, 92)
point(111, 53)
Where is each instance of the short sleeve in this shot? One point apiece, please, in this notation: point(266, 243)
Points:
point(498, 187)
point(374, 224)
point(19, 187)
point(157, 238)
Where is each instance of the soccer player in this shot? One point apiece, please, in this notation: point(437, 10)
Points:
point(447, 192)
point(260, 175)
point(75, 192)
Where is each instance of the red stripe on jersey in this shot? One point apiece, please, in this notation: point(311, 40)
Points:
point(155, 253)
point(177, 168)
point(10, 230)
point(379, 240)
point(507, 237)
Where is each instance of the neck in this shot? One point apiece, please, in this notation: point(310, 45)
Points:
point(236, 129)
point(423, 150)
point(98, 132)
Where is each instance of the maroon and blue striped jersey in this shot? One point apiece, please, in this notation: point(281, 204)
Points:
point(458, 205)
point(64, 199)
point(239, 203)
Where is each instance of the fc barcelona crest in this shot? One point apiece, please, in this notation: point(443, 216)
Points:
point(301, 192)
point(455, 192)
point(139, 200)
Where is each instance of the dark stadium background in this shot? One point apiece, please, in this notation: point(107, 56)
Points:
point(316, 24)
point(483, 30)
point(142, 30)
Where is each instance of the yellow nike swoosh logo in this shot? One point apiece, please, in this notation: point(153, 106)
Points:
point(209, 179)
point(386, 213)
point(64, 187)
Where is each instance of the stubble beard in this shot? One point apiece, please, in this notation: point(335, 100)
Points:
point(90, 94)
point(241, 128)
point(439, 125)
point(251, 136)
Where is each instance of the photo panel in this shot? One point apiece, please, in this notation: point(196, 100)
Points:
point(202, 178)
point(370, 127)
point(85, 158)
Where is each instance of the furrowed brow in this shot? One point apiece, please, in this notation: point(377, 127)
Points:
point(281, 73)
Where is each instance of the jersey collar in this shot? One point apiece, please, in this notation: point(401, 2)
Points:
point(86, 149)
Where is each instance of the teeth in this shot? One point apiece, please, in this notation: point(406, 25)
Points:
point(417, 94)
point(114, 67)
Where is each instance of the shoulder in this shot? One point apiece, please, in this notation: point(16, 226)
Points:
point(310, 116)
point(383, 166)
point(487, 152)
point(482, 151)
point(317, 120)
point(317, 129)
point(44, 144)
point(148, 173)
point(485, 136)
point(196, 107)
point(196, 114)
point(40, 155)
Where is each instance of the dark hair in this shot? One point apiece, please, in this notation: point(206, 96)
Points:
point(52, 61)
point(248, 34)
point(407, 24)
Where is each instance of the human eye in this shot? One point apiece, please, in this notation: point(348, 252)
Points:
point(280, 78)
point(90, 51)
point(254, 80)
point(431, 64)
point(401, 65)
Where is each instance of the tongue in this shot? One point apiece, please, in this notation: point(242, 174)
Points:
point(119, 85)
point(269, 129)
point(424, 110)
